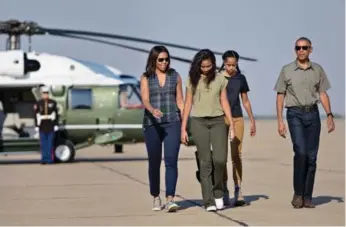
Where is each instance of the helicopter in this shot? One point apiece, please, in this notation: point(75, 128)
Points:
point(97, 104)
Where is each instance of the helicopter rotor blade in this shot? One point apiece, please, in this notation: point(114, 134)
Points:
point(55, 31)
point(118, 45)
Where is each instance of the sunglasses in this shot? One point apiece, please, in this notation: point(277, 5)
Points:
point(302, 47)
point(163, 59)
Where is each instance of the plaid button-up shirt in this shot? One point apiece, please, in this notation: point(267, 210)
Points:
point(163, 98)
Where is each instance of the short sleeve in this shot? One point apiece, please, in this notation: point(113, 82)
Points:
point(244, 87)
point(280, 85)
point(223, 81)
point(324, 84)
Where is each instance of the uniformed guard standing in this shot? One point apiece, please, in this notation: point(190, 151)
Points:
point(46, 123)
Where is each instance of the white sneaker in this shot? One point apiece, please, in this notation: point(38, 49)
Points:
point(157, 206)
point(219, 203)
point(211, 208)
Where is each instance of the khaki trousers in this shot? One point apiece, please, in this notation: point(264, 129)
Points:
point(236, 148)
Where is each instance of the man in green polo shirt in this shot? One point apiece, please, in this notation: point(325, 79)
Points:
point(302, 84)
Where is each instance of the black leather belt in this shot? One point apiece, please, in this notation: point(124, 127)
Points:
point(305, 108)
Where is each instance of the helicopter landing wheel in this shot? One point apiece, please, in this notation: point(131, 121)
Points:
point(118, 148)
point(64, 152)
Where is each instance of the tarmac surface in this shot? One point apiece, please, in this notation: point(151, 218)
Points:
point(104, 188)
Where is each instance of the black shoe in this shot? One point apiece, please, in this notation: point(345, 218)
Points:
point(238, 198)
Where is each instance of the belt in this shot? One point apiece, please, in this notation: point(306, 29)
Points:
point(212, 117)
point(304, 108)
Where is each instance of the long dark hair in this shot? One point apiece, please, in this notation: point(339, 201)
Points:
point(195, 68)
point(151, 61)
point(230, 54)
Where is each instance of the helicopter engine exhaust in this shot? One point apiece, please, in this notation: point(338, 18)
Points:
point(15, 64)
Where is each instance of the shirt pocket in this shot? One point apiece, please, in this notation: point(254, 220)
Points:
point(294, 82)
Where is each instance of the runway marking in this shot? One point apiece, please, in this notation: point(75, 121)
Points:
point(179, 196)
point(114, 216)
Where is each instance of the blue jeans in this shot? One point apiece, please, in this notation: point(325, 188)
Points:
point(169, 134)
point(305, 129)
point(47, 147)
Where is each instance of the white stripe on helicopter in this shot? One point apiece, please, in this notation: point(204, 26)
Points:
point(101, 126)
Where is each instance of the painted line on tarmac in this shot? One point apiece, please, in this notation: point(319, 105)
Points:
point(179, 196)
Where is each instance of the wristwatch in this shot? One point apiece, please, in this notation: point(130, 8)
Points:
point(330, 114)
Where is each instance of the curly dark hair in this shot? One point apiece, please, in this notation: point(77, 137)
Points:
point(151, 61)
point(195, 68)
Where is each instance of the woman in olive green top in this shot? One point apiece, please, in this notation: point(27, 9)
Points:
point(206, 98)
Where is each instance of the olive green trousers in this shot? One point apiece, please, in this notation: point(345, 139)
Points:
point(210, 137)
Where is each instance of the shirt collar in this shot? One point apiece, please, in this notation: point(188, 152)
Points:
point(223, 72)
point(296, 66)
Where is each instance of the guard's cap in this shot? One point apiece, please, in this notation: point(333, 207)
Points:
point(44, 89)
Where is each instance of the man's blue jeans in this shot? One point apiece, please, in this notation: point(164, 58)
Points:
point(47, 147)
point(305, 128)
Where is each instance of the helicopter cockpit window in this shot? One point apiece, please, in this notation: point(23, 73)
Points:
point(129, 97)
point(80, 98)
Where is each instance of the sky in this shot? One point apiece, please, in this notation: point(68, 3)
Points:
point(262, 29)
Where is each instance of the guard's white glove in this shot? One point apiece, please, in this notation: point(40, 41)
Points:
point(56, 128)
point(36, 129)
